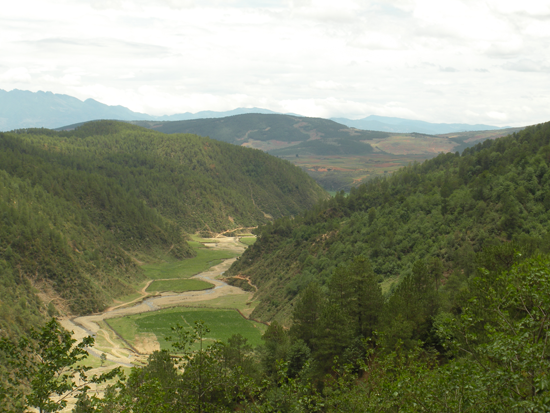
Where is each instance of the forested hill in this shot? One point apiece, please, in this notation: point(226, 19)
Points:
point(277, 134)
point(444, 212)
point(76, 206)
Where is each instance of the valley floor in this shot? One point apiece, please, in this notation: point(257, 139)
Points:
point(118, 351)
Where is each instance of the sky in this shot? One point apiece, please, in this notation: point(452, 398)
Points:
point(445, 61)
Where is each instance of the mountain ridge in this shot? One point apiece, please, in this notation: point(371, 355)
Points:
point(400, 125)
point(50, 110)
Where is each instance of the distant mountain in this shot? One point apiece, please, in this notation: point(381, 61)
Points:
point(21, 109)
point(281, 135)
point(298, 136)
point(211, 114)
point(336, 156)
point(399, 125)
point(24, 109)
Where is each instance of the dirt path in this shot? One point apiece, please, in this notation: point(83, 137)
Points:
point(247, 279)
point(232, 230)
point(116, 349)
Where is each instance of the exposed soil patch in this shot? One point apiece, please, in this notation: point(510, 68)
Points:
point(146, 343)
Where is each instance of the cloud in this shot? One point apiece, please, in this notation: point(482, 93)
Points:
point(435, 91)
point(378, 41)
point(526, 65)
point(458, 20)
point(505, 50)
point(16, 75)
point(530, 8)
point(327, 85)
point(401, 9)
point(316, 57)
point(138, 4)
point(496, 115)
point(105, 46)
point(436, 82)
point(129, 75)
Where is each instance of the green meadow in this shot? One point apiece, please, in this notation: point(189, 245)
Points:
point(223, 323)
point(205, 259)
point(248, 240)
point(178, 286)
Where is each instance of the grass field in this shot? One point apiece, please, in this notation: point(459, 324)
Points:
point(248, 240)
point(178, 286)
point(239, 301)
point(222, 323)
point(205, 259)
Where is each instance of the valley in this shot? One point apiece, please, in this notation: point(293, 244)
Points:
point(116, 334)
point(372, 300)
point(82, 210)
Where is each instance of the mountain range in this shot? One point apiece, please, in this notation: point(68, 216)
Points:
point(25, 109)
point(399, 125)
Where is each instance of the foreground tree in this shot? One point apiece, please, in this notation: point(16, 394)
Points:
point(199, 377)
point(44, 370)
point(498, 347)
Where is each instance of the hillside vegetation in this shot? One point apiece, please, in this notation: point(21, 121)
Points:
point(277, 134)
point(444, 211)
point(426, 291)
point(336, 156)
point(77, 208)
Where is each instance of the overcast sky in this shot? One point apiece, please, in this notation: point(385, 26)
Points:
point(434, 60)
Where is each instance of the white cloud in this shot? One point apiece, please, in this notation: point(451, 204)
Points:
point(316, 57)
point(447, 69)
point(500, 116)
point(532, 8)
point(526, 65)
point(380, 41)
point(327, 85)
point(505, 50)
point(16, 75)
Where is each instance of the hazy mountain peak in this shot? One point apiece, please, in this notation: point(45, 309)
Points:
point(400, 125)
point(26, 109)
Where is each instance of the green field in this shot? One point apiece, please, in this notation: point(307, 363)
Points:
point(223, 323)
point(248, 240)
point(205, 259)
point(178, 286)
point(240, 301)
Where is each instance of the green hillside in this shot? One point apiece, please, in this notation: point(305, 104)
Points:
point(276, 134)
point(77, 208)
point(426, 291)
point(444, 211)
point(200, 183)
point(336, 156)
